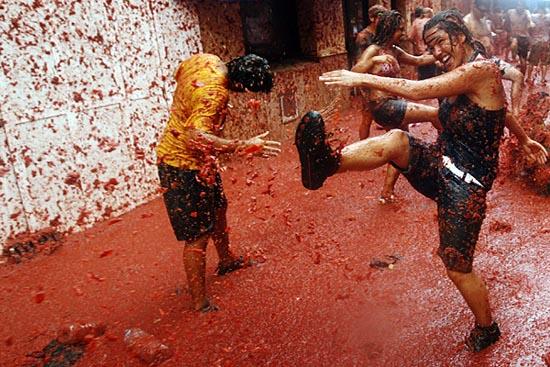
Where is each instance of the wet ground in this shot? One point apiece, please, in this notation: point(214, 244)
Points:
point(313, 299)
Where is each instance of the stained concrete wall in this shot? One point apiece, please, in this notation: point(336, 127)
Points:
point(84, 88)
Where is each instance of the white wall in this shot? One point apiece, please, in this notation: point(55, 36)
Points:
point(85, 87)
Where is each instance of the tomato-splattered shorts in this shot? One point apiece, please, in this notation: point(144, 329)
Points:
point(389, 112)
point(460, 205)
point(192, 205)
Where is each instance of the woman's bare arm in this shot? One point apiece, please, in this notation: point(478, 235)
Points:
point(473, 79)
point(516, 77)
point(366, 62)
point(406, 58)
point(535, 151)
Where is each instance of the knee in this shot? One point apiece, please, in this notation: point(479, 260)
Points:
point(198, 244)
point(398, 138)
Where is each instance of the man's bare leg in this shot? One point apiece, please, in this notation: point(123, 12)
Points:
point(228, 262)
point(194, 261)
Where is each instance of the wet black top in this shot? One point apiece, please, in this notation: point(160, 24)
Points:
point(471, 137)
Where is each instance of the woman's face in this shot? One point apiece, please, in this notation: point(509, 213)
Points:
point(398, 33)
point(448, 50)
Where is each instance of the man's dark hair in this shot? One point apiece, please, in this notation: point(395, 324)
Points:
point(250, 72)
point(388, 23)
point(418, 11)
point(376, 10)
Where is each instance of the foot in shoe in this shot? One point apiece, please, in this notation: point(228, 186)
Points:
point(317, 158)
point(482, 337)
point(236, 264)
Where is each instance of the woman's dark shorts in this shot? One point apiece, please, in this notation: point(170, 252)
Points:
point(388, 113)
point(460, 205)
point(192, 206)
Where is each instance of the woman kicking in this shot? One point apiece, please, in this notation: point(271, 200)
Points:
point(456, 171)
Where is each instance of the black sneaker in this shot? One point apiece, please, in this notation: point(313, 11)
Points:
point(317, 158)
point(481, 337)
point(236, 264)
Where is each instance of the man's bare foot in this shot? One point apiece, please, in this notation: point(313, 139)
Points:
point(206, 307)
point(235, 264)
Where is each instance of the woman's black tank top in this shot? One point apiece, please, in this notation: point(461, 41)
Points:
point(471, 137)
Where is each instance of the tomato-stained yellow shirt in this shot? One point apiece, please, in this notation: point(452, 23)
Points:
point(200, 102)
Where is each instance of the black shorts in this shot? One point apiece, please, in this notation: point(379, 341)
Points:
point(192, 206)
point(388, 113)
point(523, 46)
point(460, 206)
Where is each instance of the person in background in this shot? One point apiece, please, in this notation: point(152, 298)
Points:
point(187, 159)
point(539, 54)
point(363, 39)
point(383, 58)
point(500, 39)
point(519, 24)
point(420, 48)
point(478, 25)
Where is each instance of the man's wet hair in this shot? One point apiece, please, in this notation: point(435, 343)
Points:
point(451, 21)
point(250, 72)
point(389, 22)
point(376, 11)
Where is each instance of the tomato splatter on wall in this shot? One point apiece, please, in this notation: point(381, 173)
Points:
point(87, 90)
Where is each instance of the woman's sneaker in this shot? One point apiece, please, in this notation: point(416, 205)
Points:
point(482, 337)
point(317, 158)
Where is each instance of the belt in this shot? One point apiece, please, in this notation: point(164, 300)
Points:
point(465, 176)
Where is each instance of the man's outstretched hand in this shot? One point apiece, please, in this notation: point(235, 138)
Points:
point(260, 147)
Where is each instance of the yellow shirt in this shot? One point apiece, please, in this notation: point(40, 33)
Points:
point(200, 102)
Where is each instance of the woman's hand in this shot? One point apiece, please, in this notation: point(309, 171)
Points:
point(535, 151)
point(343, 77)
point(259, 147)
point(384, 59)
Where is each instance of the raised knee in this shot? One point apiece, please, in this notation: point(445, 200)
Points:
point(398, 137)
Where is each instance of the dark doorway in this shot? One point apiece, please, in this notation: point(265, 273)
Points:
point(271, 28)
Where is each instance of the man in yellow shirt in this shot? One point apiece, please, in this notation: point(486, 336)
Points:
point(187, 164)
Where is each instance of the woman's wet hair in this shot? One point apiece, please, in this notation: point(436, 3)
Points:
point(389, 22)
point(451, 21)
point(250, 72)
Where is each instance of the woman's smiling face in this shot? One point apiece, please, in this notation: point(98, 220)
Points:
point(449, 51)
